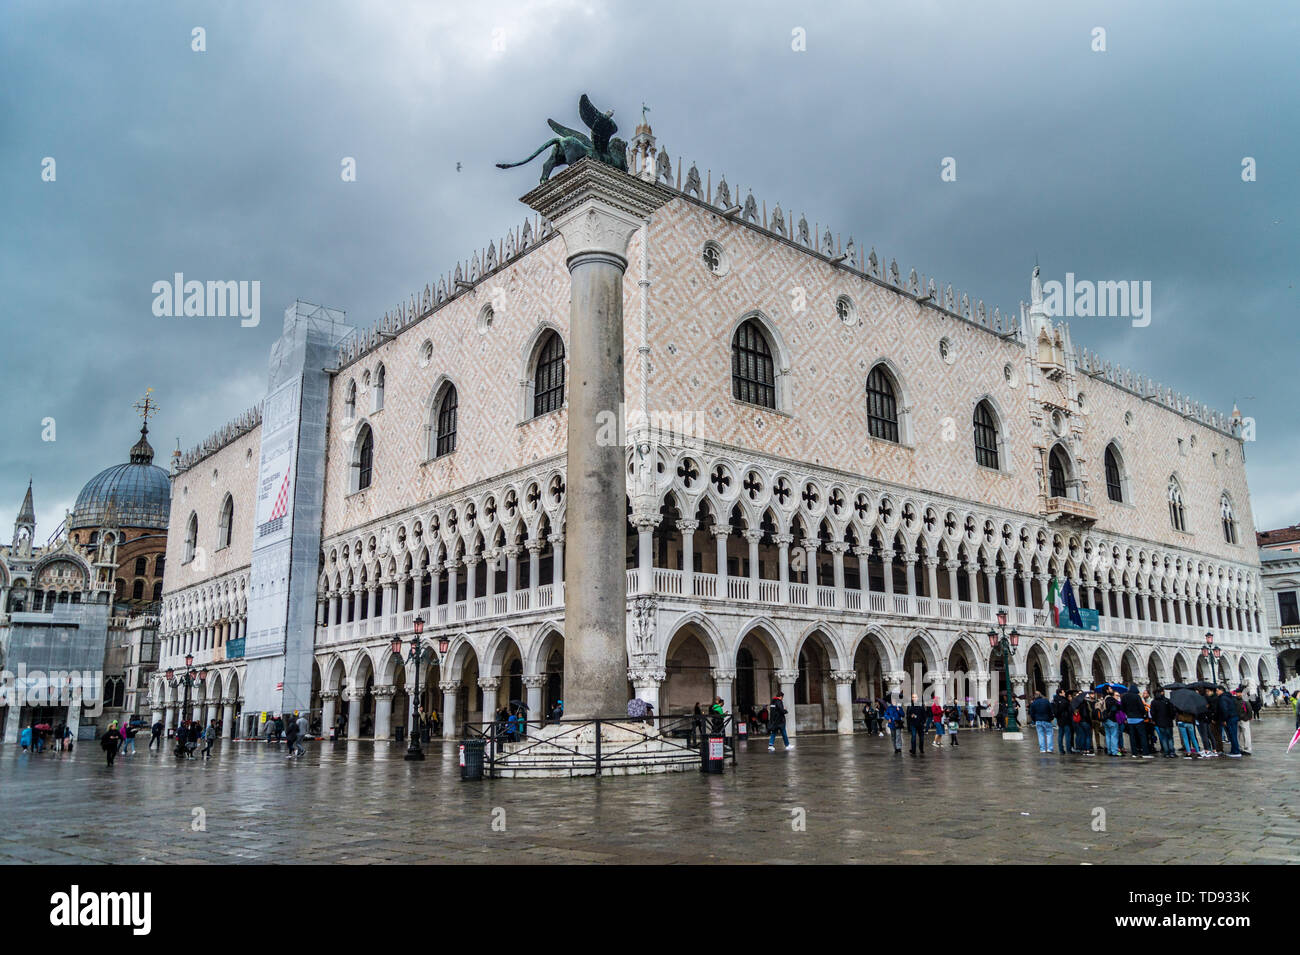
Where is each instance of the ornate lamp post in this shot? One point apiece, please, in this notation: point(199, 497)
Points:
point(1007, 643)
point(187, 679)
point(1212, 653)
point(419, 655)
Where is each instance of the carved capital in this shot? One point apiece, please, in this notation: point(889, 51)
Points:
point(787, 677)
point(688, 527)
point(534, 682)
point(646, 676)
point(843, 676)
point(489, 682)
point(723, 676)
point(449, 686)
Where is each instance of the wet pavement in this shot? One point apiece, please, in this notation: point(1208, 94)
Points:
point(833, 799)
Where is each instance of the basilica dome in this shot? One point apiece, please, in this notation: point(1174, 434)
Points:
point(136, 494)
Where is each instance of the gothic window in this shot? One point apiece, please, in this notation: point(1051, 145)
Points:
point(1114, 485)
point(158, 564)
point(191, 537)
point(986, 436)
point(363, 459)
point(446, 421)
point(377, 401)
point(1175, 495)
point(225, 529)
point(548, 379)
point(882, 405)
point(140, 565)
point(1228, 518)
point(350, 404)
point(137, 590)
point(1056, 472)
point(157, 590)
point(753, 373)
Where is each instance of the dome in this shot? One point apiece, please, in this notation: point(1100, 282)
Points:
point(136, 494)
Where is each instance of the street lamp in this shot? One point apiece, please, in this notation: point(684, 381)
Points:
point(419, 655)
point(1212, 653)
point(187, 679)
point(1007, 643)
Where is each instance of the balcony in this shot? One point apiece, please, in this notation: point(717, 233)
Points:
point(1070, 511)
point(765, 596)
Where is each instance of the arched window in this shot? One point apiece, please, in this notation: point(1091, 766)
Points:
point(157, 590)
point(986, 436)
point(753, 373)
point(1056, 469)
point(225, 529)
point(446, 408)
point(1114, 484)
point(137, 590)
point(363, 458)
point(882, 406)
point(159, 563)
point(1175, 495)
point(548, 379)
point(1229, 519)
point(377, 402)
point(350, 403)
point(191, 537)
point(140, 565)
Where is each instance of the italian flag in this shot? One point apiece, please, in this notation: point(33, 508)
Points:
point(1055, 601)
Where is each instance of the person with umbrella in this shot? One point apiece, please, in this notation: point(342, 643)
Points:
point(1188, 706)
point(1110, 723)
point(1229, 708)
point(1064, 727)
point(1207, 721)
point(1136, 712)
point(1162, 714)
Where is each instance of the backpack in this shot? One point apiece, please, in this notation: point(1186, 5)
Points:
point(1121, 717)
point(1077, 718)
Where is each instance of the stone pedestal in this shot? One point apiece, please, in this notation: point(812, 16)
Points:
point(596, 209)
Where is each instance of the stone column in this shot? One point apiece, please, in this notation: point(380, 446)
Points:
point(932, 582)
point(354, 713)
point(449, 688)
point(752, 537)
point(597, 210)
point(688, 555)
point(557, 566)
point(533, 685)
point(645, 684)
point(837, 549)
point(887, 567)
point(894, 685)
point(909, 569)
point(383, 712)
point(720, 534)
point(471, 583)
point(227, 718)
point(787, 680)
point(645, 571)
point(453, 579)
point(810, 562)
point(489, 686)
point(722, 683)
point(863, 554)
point(512, 573)
point(972, 582)
point(328, 707)
point(843, 700)
point(534, 570)
point(951, 566)
point(783, 542)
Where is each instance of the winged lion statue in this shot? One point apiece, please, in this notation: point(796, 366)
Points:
point(569, 145)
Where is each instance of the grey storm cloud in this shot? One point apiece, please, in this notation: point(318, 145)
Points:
point(225, 165)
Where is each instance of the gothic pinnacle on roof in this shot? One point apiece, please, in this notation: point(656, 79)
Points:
point(27, 513)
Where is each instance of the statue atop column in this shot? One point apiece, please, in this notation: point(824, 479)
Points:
point(570, 145)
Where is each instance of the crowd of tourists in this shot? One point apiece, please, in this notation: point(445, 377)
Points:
point(1195, 721)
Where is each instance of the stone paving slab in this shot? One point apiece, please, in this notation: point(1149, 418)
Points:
point(832, 799)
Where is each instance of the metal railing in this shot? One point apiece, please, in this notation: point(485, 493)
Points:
point(515, 747)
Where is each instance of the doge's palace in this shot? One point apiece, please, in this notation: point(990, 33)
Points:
point(837, 473)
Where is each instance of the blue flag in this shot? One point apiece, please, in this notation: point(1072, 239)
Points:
point(1071, 608)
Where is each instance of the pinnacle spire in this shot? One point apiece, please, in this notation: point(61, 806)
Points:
point(27, 513)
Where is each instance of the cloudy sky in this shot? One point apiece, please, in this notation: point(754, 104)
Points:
point(225, 164)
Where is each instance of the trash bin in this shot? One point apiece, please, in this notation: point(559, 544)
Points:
point(712, 753)
point(471, 759)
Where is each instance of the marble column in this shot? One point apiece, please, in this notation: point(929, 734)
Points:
point(645, 576)
point(843, 700)
point(645, 684)
point(471, 583)
point(787, 680)
point(449, 716)
point(328, 708)
point(354, 714)
point(752, 537)
point(533, 686)
point(837, 549)
point(228, 718)
point(489, 685)
point(722, 683)
point(596, 209)
point(688, 529)
point(383, 712)
point(720, 534)
point(810, 562)
point(783, 542)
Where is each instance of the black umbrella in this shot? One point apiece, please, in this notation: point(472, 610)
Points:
point(1079, 701)
point(1203, 685)
point(1189, 701)
point(1176, 686)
